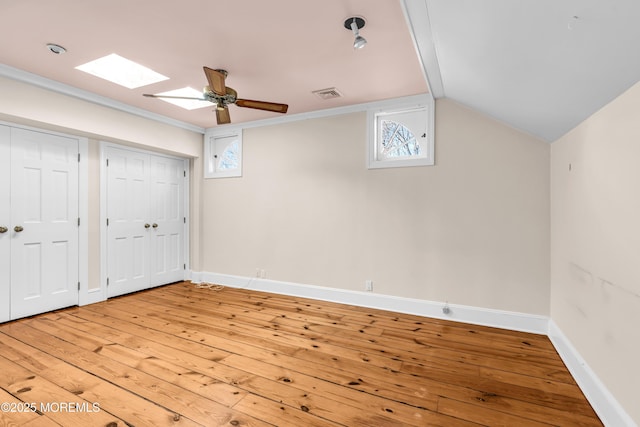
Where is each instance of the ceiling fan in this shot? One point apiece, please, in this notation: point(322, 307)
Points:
point(222, 96)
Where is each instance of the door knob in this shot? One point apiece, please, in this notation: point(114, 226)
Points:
point(3, 229)
point(147, 226)
point(18, 228)
point(155, 225)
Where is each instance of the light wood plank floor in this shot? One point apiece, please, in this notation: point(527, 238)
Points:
point(182, 356)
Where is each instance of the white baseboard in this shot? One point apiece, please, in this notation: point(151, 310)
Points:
point(603, 402)
point(460, 313)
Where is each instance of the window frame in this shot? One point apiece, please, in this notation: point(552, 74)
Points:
point(425, 103)
point(210, 138)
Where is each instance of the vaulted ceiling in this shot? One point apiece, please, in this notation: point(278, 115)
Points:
point(541, 66)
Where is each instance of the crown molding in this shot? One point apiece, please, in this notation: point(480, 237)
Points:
point(411, 100)
point(54, 86)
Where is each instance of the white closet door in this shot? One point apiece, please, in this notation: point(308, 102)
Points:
point(44, 222)
point(129, 228)
point(5, 214)
point(167, 214)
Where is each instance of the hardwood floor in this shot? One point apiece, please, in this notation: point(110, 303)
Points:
point(182, 356)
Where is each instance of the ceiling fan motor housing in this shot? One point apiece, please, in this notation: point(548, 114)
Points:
point(221, 100)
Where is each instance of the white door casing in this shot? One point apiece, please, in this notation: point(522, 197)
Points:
point(44, 222)
point(5, 215)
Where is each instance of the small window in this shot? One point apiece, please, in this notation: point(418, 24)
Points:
point(223, 154)
point(230, 157)
point(401, 135)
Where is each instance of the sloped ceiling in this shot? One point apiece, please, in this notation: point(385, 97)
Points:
point(542, 66)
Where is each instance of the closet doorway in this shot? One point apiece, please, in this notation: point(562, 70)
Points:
point(39, 222)
point(145, 219)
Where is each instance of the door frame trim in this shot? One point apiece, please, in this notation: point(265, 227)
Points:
point(100, 294)
point(83, 214)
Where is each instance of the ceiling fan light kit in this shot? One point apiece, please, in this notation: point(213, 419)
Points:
point(354, 24)
point(221, 95)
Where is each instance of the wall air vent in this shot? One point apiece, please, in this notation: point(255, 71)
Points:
point(329, 93)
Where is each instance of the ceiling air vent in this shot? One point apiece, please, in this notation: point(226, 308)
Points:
point(328, 93)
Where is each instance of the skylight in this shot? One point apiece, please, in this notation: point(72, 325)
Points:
point(122, 71)
point(188, 104)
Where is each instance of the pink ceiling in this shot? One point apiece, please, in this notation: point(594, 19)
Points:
point(276, 50)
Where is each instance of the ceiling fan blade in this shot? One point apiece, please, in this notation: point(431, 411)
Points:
point(216, 81)
point(173, 97)
point(222, 115)
point(262, 105)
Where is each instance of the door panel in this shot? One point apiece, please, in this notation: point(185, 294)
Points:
point(128, 212)
point(44, 203)
point(32, 259)
point(167, 255)
point(5, 214)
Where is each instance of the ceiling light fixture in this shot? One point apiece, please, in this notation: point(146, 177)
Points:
point(354, 24)
point(56, 48)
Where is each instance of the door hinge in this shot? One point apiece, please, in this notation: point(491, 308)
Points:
point(107, 162)
point(107, 281)
point(184, 266)
point(184, 173)
point(78, 285)
point(78, 221)
point(185, 219)
point(78, 157)
point(107, 222)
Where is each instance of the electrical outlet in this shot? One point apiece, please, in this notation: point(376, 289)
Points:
point(368, 285)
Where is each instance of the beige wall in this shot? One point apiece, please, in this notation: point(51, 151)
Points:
point(473, 230)
point(595, 252)
point(26, 104)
